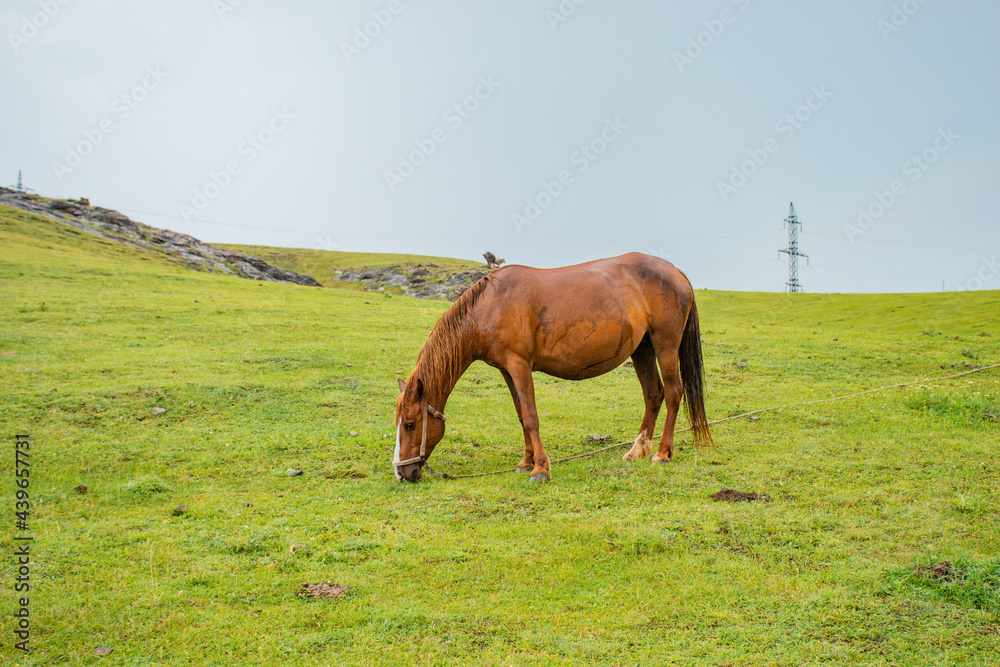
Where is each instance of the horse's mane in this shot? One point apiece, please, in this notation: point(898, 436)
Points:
point(442, 355)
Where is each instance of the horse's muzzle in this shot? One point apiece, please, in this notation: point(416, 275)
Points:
point(409, 472)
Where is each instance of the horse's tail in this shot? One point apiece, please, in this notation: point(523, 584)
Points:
point(693, 378)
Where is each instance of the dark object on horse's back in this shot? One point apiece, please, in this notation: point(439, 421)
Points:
point(491, 260)
point(574, 322)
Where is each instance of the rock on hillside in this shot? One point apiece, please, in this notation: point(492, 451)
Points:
point(115, 226)
point(426, 281)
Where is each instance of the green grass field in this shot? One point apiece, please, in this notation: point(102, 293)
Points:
point(611, 563)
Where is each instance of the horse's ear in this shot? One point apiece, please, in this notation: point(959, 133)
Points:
point(402, 384)
point(420, 388)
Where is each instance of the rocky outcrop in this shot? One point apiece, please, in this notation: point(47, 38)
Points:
point(115, 226)
point(426, 281)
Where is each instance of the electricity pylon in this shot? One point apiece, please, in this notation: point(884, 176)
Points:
point(793, 224)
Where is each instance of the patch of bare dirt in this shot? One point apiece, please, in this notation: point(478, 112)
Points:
point(943, 571)
point(991, 629)
point(734, 496)
point(323, 590)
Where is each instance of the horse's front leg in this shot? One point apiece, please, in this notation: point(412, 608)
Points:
point(528, 462)
point(524, 388)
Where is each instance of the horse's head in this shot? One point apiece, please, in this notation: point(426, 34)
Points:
point(419, 428)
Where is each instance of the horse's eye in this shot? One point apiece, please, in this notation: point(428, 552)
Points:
point(409, 426)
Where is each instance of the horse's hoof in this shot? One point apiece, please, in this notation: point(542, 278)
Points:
point(640, 449)
point(657, 459)
point(539, 477)
point(523, 469)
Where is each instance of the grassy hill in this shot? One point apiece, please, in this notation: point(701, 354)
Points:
point(176, 536)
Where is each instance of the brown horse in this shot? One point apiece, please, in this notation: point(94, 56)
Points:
point(573, 322)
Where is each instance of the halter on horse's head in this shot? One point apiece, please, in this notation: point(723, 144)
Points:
point(414, 415)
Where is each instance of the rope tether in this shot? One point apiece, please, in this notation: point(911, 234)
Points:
point(445, 475)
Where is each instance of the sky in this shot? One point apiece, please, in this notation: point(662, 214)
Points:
point(549, 132)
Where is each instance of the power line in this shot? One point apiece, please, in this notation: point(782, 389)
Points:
point(453, 239)
point(721, 266)
point(841, 269)
point(914, 244)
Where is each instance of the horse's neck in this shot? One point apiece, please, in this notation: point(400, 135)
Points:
point(441, 370)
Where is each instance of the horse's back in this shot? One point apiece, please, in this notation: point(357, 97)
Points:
point(582, 320)
point(629, 274)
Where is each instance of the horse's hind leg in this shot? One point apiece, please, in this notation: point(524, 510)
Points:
point(672, 392)
point(644, 361)
point(528, 462)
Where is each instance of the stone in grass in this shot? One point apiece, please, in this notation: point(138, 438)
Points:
point(81, 489)
point(294, 473)
point(159, 411)
point(323, 590)
point(352, 433)
point(734, 496)
point(179, 510)
point(599, 437)
point(103, 651)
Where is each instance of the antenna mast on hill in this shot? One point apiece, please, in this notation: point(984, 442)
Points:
point(20, 185)
point(793, 224)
